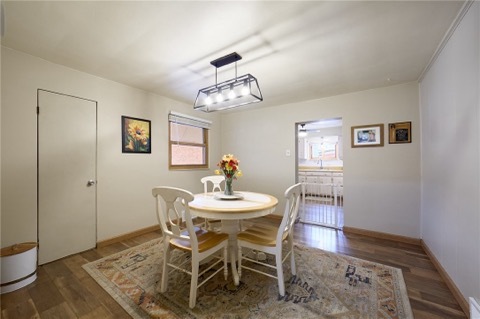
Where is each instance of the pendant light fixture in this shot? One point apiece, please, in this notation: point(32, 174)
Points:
point(241, 90)
point(302, 132)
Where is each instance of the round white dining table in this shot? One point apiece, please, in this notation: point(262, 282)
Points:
point(230, 212)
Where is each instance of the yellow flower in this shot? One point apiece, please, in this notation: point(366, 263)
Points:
point(239, 173)
point(227, 157)
point(138, 131)
point(217, 172)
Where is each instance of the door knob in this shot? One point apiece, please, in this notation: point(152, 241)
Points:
point(90, 183)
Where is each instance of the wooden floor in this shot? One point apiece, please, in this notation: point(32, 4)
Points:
point(64, 290)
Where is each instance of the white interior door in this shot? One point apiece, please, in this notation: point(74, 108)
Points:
point(67, 130)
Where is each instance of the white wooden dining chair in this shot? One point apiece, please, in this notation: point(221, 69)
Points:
point(171, 205)
point(216, 183)
point(215, 180)
point(268, 239)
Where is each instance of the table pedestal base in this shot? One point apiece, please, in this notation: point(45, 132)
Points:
point(232, 227)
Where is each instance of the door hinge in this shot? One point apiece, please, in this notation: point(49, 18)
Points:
point(38, 109)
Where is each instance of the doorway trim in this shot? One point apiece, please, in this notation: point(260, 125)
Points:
point(322, 184)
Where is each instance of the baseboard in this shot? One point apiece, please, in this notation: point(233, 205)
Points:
point(450, 284)
point(126, 236)
point(380, 235)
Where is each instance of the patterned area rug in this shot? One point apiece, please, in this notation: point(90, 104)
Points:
point(327, 285)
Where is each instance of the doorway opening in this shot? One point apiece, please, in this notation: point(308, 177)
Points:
point(319, 167)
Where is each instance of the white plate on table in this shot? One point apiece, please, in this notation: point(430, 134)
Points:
point(222, 196)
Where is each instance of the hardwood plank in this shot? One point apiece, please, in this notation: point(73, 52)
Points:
point(24, 309)
point(80, 300)
point(57, 269)
point(9, 299)
point(74, 264)
point(62, 310)
point(90, 255)
point(45, 295)
point(426, 273)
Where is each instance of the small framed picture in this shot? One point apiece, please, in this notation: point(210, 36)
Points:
point(367, 135)
point(400, 132)
point(136, 135)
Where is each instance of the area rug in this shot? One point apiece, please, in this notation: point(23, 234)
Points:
point(327, 285)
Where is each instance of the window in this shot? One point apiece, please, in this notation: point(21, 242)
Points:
point(324, 151)
point(323, 148)
point(188, 142)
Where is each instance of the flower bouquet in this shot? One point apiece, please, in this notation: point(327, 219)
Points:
point(230, 169)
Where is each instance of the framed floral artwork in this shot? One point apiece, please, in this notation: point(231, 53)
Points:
point(367, 135)
point(136, 135)
point(400, 132)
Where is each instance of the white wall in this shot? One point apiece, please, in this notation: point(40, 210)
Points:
point(382, 184)
point(125, 181)
point(450, 104)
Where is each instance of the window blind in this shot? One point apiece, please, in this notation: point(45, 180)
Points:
point(188, 120)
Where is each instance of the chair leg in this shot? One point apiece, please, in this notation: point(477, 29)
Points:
point(225, 263)
point(281, 284)
point(292, 257)
point(166, 260)
point(194, 283)
point(239, 259)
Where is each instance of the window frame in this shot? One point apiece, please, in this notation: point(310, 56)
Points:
point(205, 144)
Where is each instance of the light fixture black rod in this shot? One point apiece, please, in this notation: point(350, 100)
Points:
point(224, 60)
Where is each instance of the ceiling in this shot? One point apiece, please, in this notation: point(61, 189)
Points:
point(298, 50)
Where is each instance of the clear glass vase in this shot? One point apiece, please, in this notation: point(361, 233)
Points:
point(228, 186)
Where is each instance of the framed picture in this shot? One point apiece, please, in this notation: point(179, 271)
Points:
point(400, 132)
point(367, 135)
point(136, 135)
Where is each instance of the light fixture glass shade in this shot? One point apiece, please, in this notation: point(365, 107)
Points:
point(239, 96)
point(302, 132)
